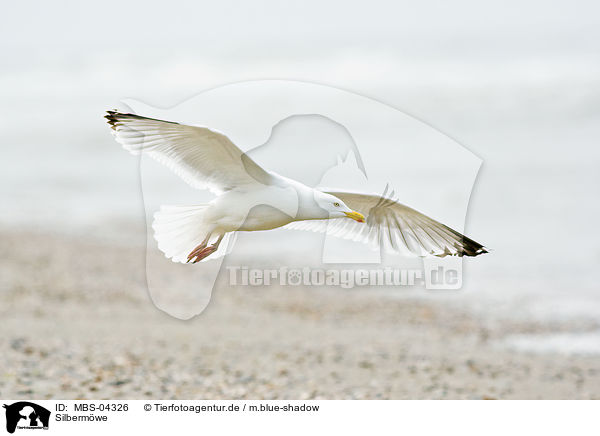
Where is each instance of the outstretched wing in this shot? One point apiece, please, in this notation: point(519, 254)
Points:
point(395, 227)
point(202, 157)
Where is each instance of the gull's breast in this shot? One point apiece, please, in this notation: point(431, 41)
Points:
point(265, 208)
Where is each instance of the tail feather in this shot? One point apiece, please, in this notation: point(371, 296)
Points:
point(180, 229)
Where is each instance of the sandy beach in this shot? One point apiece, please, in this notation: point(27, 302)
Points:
point(77, 322)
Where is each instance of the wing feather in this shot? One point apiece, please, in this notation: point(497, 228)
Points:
point(395, 227)
point(203, 158)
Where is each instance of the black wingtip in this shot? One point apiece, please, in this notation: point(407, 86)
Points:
point(466, 247)
point(471, 248)
point(115, 117)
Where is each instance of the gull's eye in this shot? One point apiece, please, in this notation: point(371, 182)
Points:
point(336, 204)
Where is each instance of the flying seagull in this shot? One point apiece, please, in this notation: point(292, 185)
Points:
point(250, 198)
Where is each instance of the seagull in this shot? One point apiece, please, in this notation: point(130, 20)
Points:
point(251, 198)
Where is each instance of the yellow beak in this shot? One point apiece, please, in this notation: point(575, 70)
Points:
point(356, 216)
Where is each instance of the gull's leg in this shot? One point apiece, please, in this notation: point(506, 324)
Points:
point(199, 248)
point(202, 251)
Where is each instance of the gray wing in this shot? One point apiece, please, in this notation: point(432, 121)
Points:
point(203, 158)
point(395, 227)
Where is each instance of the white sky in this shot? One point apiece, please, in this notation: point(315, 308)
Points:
point(301, 28)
